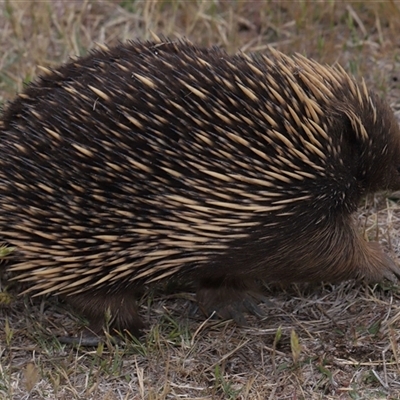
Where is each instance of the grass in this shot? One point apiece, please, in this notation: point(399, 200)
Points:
point(325, 342)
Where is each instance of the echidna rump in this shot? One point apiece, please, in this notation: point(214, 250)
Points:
point(160, 160)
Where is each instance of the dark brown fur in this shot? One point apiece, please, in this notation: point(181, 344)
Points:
point(152, 161)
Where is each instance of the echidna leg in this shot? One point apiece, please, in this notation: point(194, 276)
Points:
point(116, 311)
point(373, 264)
point(229, 298)
point(350, 256)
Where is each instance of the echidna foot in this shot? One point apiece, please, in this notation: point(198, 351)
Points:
point(114, 313)
point(379, 265)
point(230, 299)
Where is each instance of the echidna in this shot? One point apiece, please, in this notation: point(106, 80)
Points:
point(157, 160)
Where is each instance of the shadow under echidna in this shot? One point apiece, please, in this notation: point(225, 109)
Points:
point(159, 160)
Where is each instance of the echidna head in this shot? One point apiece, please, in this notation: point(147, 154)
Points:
point(373, 140)
point(379, 162)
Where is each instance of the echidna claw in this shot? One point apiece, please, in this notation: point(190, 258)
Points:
point(253, 308)
point(83, 340)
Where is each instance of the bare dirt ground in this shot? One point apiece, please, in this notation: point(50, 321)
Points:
point(325, 342)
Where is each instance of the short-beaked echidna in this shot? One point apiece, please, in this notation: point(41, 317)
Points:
point(158, 160)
